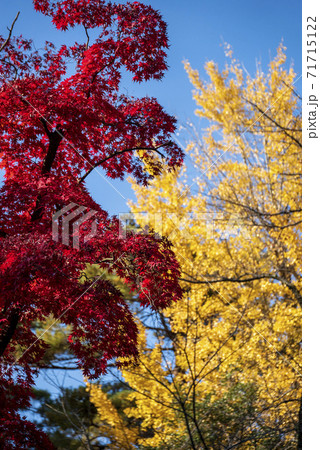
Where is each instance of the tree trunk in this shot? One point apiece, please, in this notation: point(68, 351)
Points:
point(299, 428)
point(8, 332)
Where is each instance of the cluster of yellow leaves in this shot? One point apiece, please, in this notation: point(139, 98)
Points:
point(111, 424)
point(151, 163)
point(236, 232)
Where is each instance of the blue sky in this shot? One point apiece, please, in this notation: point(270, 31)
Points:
point(196, 30)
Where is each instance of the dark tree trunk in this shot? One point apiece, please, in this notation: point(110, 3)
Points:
point(8, 332)
point(54, 140)
point(299, 429)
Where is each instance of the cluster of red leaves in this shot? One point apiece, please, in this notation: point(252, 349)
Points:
point(55, 128)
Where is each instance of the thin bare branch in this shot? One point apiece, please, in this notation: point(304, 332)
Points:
point(10, 32)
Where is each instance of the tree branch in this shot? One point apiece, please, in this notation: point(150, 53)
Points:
point(94, 166)
point(284, 129)
point(209, 281)
point(10, 32)
point(88, 38)
point(55, 138)
point(290, 87)
point(7, 334)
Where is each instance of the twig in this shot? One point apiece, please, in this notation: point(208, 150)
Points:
point(10, 32)
point(88, 38)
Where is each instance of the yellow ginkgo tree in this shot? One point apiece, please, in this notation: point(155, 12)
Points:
point(222, 368)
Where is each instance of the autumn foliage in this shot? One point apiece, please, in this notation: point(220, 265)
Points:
point(56, 127)
point(223, 369)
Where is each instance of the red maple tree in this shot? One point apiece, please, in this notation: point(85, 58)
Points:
point(56, 128)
